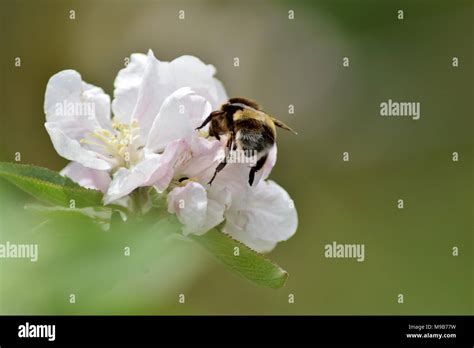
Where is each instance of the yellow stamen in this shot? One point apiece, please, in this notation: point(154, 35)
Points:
point(122, 144)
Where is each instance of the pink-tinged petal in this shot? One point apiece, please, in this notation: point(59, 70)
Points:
point(189, 203)
point(206, 154)
point(234, 177)
point(73, 110)
point(125, 180)
point(72, 149)
point(263, 173)
point(127, 85)
point(181, 159)
point(223, 196)
point(68, 97)
point(101, 102)
point(63, 86)
point(181, 113)
point(201, 146)
point(214, 216)
point(264, 216)
point(174, 154)
point(87, 177)
point(145, 83)
point(194, 210)
point(192, 72)
point(150, 96)
point(155, 170)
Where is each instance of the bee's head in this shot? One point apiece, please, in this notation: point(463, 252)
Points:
point(221, 121)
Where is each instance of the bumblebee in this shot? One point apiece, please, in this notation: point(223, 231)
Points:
point(248, 128)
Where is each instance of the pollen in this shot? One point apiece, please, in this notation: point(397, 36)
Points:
point(122, 144)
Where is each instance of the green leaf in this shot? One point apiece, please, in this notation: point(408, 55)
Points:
point(101, 214)
point(48, 186)
point(249, 264)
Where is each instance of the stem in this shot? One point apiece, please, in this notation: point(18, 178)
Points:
point(141, 202)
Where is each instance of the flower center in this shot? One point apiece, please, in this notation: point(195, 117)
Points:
point(122, 145)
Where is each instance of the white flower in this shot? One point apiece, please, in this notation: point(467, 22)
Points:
point(152, 142)
point(150, 96)
point(259, 216)
point(198, 206)
point(87, 177)
point(262, 217)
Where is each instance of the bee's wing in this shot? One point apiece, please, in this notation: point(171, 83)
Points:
point(280, 124)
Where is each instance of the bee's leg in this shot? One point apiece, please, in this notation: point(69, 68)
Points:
point(206, 121)
point(280, 124)
point(209, 118)
point(256, 168)
point(224, 162)
point(218, 169)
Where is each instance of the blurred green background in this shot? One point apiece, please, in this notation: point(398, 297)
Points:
point(282, 62)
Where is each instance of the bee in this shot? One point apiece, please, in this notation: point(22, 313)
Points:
point(248, 128)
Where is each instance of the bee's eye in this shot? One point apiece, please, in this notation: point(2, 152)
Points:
point(182, 179)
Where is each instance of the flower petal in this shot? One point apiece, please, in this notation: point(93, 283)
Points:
point(263, 173)
point(194, 209)
point(74, 109)
point(235, 176)
point(181, 113)
point(181, 159)
point(175, 152)
point(67, 96)
point(101, 102)
point(125, 180)
point(143, 85)
point(66, 86)
point(206, 154)
point(127, 84)
point(191, 71)
point(150, 96)
point(263, 217)
point(87, 177)
point(71, 148)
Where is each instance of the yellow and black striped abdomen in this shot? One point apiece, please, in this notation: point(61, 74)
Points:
point(255, 120)
point(253, 133)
